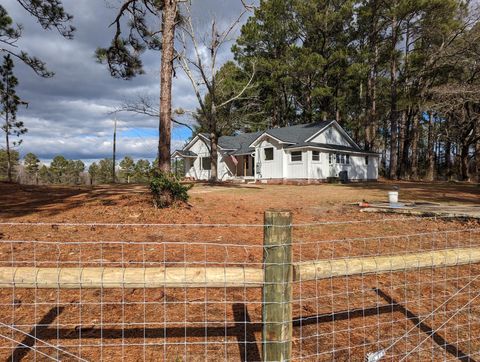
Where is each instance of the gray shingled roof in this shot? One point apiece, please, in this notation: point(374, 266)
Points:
point(297, 135)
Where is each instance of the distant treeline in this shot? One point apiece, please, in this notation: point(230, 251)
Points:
point(74, 172)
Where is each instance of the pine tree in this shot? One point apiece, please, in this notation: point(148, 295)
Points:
point(32, 166)
point(58, 169)
point(9, 102)
point(127, 168)
point(142, 171)
point(44, 175)
point(123, 55)
point(93, 171)
point(50, 14)
point(105, 167)
point(4, 163)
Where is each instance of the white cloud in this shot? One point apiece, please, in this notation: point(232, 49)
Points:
point(68, 114)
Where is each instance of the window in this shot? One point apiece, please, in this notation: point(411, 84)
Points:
point(296, 156)
point(268, 154)
point(341, 159)
point(366, 160)
point(206, 163)
point(315, 156)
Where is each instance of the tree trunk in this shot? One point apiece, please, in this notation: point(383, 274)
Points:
point(7, 143)
point(213, 142)
point(477, 153)
point(448, 160)
point(464, 162)
point(393, 103)
point(430, 149)
point(401, 144)
point(166, 73)
point(477, 157)
point(415, 140)
point(371, 94)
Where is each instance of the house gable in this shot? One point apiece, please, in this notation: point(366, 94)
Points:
point(198, 145)
point(333, 134)
point(266, 136)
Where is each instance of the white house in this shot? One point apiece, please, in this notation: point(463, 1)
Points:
point(311, 152)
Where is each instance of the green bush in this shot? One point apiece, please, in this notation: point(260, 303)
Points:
point(166, 189)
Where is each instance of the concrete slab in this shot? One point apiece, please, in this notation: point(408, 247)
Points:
point(427, 209)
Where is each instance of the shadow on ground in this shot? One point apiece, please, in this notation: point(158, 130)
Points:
point(243, 329)
point(22, 200)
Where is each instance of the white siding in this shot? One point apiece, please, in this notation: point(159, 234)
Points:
point(194, 170)
point(318, 170)
point(357, 169)
point(332, 136)
point(193, 165)
point(297, 169)
point(273, 168)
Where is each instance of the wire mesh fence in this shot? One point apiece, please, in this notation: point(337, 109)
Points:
point(398, 297)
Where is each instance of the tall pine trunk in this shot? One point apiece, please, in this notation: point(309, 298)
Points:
point(401, 144)
point(464, 162)
point(448, 160)
point(7, 143)
point(371, 94)
point(166, 73)
point(477, 153)
point(213, 143)
point(415, 140)
point(393, 103)
point(430, 150)
point(477, 158)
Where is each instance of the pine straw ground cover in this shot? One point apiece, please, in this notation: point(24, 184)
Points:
point(334, 319)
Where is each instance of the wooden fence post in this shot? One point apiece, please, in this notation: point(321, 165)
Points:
point(277, 289)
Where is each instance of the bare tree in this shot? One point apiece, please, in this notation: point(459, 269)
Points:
point(198, 58)
point(148, 106)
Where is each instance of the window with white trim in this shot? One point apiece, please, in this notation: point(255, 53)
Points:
point(315, 155)
point(296, 156)
point(339, 158)
point(366, 160)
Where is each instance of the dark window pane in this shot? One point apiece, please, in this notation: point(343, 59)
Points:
point(269, 154)
point(206, 163)
point(296, 156)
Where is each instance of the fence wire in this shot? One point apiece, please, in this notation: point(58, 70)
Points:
point(403, 315)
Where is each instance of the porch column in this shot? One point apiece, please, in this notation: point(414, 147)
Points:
point(255, 165)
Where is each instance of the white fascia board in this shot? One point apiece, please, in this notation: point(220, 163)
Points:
point(302, 148)
point(266, 134)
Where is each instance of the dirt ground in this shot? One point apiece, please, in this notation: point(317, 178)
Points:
point(340, 319)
